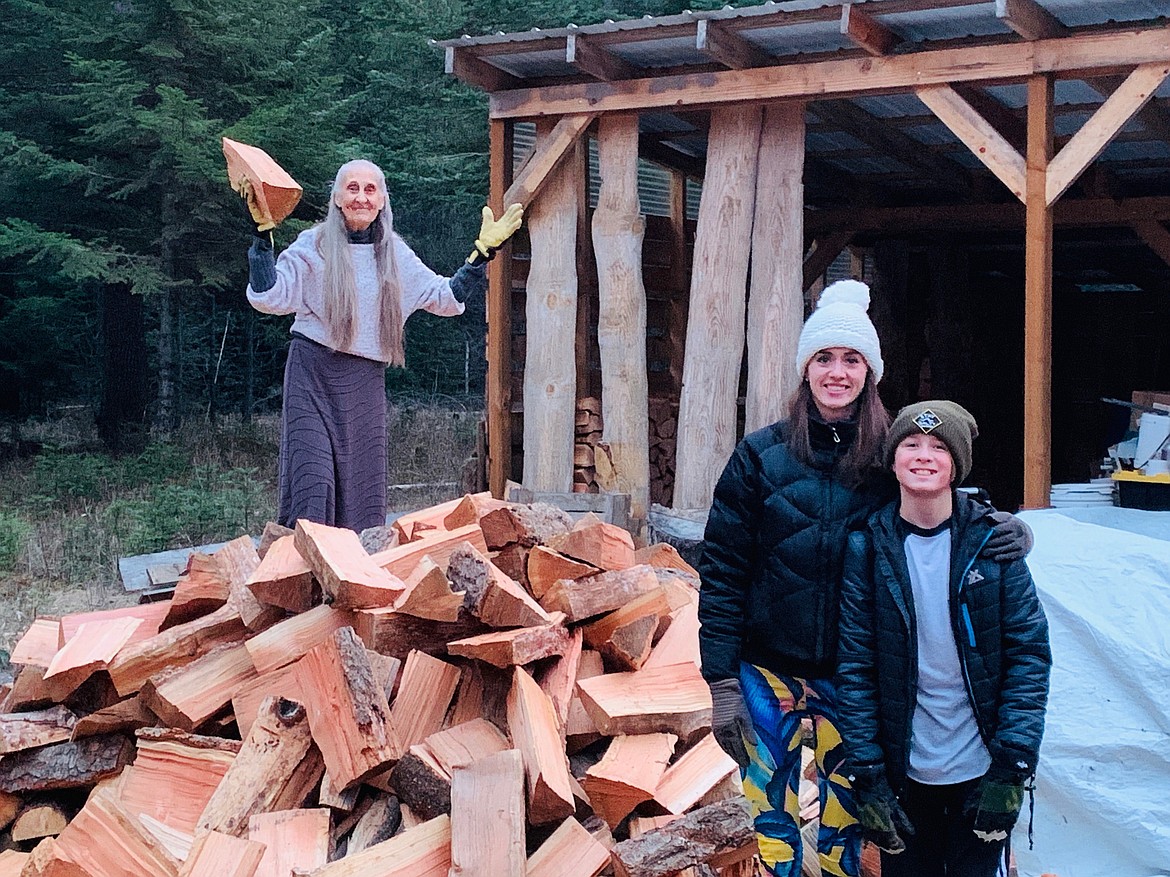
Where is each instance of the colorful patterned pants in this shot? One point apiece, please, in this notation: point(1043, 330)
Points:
point(772, 780)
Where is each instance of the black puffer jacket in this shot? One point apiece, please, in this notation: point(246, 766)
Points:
point(774, 545)
point(998, 624)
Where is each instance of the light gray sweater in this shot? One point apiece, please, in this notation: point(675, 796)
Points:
point(299, 290)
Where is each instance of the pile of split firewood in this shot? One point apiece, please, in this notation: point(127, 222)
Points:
point(496, 691)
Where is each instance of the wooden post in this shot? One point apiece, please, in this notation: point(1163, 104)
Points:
point(1038, 299)
point(776, 304)
point(550, 374)
point(715, 328)
point(618, 229)
point(499, 322)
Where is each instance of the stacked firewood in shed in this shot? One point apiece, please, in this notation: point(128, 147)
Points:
point(309, 708)
point(590, 453)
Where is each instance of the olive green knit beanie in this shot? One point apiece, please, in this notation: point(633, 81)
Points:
point(945, 420)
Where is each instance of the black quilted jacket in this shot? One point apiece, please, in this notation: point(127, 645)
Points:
point(773, 552)
point(999, 627)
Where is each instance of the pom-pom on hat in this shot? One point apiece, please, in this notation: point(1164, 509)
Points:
point(841, 320)
point(944, 420)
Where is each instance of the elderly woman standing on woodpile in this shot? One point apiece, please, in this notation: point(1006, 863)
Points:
point(351, 281)
point(771, 572)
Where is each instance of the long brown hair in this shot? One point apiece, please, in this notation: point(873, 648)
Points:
point(873, 423)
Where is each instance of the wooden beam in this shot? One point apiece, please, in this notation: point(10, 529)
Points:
point(618, 229)
point(1013, 128)
point(894, 143)
point(467, 66)
point(551, 150)
point(715, 328)
point(1105, 51)
point(988, 145)
point(776, 303)
point(1155, 236)
point(1090, 141)
point(550, 376)
point(498, 382)
point(827, 248)
point(1029, 19)
point(866, 31)
point(729, 48)
point(600, 63)
point(1038, 299)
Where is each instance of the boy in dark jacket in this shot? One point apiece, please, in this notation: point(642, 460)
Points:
point(943, 664)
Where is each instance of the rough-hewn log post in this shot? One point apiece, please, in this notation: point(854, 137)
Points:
point(499, 324)
point(715, 329)
point(776, 304)
point(549, 369)
point(618, 228)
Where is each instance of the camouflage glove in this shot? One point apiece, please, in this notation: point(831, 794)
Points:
point(494, 232)
point(995, 803)
point(731, 723)
point(883, 821)
point(1010, 540)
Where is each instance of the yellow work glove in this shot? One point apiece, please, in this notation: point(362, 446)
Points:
point(263, 223)
point(493, 232)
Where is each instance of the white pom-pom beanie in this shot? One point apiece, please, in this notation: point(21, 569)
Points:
point(841, 320)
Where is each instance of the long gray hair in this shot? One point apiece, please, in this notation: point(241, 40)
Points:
point(340, 286)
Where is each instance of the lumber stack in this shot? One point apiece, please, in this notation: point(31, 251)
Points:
point(588, 447)
point(502, 692)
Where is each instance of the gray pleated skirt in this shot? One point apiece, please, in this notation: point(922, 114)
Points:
point(332, 438)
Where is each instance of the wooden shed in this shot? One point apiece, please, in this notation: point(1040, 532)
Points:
point(965, 157)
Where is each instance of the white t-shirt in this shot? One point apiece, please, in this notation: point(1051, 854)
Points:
point(945, 746)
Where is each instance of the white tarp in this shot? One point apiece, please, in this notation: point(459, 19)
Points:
point(1103, 786)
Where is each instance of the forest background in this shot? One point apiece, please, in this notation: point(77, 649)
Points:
point(138, 390)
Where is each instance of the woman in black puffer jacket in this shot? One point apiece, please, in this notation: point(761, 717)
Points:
point(771, 573)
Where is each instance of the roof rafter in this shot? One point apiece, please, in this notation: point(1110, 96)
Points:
point(600, 63)
point(729, 48)
point(866, 31)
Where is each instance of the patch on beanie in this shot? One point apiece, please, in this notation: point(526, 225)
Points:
point(927, 421)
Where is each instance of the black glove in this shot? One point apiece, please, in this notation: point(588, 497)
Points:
point(883, 821)
point(1010, 540)
point(731, 723)
point(996, 801)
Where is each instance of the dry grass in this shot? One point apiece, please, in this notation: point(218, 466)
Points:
point(69, 513)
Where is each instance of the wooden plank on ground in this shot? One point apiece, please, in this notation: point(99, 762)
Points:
point(346, 572)
point(487, 817)
point(347, 709)
point(532, 723)
point(672, 699)
point(295, 840)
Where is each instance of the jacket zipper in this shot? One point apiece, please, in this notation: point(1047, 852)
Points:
point(971, 634)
